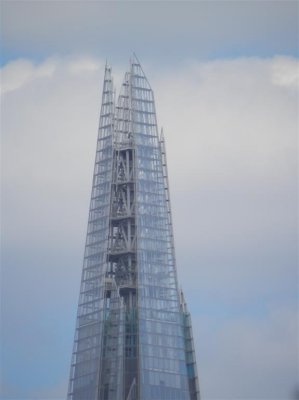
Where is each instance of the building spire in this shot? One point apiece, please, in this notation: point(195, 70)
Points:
point(133, 335)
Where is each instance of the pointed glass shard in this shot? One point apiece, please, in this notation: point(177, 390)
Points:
point(133, 337)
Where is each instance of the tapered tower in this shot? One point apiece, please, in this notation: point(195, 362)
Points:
point(133, 337)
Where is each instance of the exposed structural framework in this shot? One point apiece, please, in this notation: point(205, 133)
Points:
point(133, 337)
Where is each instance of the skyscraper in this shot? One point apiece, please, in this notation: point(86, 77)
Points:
point(133, 337)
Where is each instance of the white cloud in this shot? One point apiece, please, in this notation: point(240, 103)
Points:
point(230, 130)
point(286, 72)
point(243, 125)
point(21, 72)
point(83, 65)
point(15, 75)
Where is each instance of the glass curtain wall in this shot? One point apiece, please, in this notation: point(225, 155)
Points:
point(133, 337)
point(162, 366)
point(85, 367)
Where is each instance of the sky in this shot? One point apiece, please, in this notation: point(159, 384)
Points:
point(225, 77)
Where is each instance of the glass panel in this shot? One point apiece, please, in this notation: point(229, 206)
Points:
point(85, 367)
point(163, 373)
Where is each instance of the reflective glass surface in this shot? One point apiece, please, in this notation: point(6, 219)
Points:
point(163, 373)
point(133, 337)
point(85, 368)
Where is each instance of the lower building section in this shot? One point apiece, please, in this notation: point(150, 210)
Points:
point(133, 368)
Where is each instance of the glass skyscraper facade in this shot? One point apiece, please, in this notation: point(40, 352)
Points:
point(133, 338)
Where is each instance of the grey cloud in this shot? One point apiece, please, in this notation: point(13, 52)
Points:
point(254, 350)
point(185, 29)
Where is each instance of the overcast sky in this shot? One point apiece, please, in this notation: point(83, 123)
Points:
point(225, 78)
